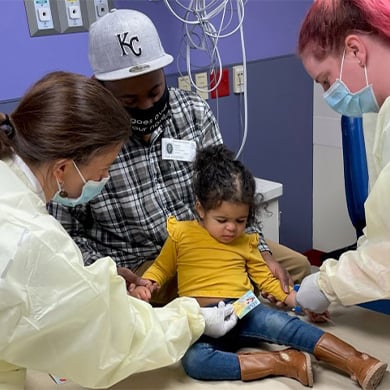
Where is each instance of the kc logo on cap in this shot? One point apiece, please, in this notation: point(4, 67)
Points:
point(137, 51)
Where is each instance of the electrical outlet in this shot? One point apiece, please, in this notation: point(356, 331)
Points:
point(74, 15)
point(41, 20)
point(101, 8)
point(238, 79)
point(44, 17)
point(201, 82)
point(97, 8)
point(184, 83)
point(48, 17)
point(70, 13)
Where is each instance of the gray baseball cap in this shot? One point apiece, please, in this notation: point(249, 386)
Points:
point(124, 43)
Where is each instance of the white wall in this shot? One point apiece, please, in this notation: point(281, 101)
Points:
point(332, 227)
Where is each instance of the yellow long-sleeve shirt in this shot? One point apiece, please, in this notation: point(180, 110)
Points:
point(206, 267)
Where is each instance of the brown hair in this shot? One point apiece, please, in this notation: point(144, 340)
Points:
point(219, 177)
point(328, 22)
point(64, 115)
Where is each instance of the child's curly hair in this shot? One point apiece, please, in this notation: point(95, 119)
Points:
point(219, 177)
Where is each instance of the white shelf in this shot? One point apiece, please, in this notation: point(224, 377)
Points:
point(270, 214)
point(269, 189)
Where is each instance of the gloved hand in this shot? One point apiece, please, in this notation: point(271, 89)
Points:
point(219, 320)
point(310, 296)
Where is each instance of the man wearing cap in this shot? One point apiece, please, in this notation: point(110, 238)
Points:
point(151, 178)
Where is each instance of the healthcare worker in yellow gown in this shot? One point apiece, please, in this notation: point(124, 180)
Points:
point(345, 47)
point(57, 315)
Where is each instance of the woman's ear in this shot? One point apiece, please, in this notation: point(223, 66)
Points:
point(354, 46)
point(60, 168)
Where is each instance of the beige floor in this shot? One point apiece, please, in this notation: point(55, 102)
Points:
point(366, 330)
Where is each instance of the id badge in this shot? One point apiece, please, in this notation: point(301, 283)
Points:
point(245, 304)
point(178, 149)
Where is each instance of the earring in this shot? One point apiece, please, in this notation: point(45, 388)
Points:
point(62, 193)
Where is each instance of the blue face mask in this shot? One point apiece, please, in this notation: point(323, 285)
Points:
point(343, 101)
point(90, 189)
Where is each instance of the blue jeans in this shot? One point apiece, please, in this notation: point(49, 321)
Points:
point(216, 359)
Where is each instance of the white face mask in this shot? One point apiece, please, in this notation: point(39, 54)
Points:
point(90, 189)
point(343, 101)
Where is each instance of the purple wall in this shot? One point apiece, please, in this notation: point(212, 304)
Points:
point(270, 29)
point(279, 145)
point(25, 59)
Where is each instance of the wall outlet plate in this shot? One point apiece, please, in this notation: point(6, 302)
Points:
point(238, 79)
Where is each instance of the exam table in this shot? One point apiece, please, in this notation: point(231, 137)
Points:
point(365, 329)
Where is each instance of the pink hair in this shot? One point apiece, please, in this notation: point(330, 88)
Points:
point(328, 22)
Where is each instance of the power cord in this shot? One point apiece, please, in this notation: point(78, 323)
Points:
point(205, 22)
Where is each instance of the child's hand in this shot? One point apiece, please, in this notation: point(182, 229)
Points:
point(317, 317)
point(132, 280)
point(152, 286)
point(141, 292)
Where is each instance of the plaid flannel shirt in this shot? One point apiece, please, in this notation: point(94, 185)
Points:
point(127, 221)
